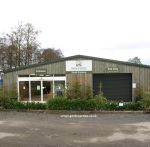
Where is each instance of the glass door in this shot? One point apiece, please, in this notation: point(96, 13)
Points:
point(40, 88)
point(24, 90)
point(35, 90)
point(47, 90)
point(59, 88)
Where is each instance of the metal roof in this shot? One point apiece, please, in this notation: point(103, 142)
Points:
point(78, 56)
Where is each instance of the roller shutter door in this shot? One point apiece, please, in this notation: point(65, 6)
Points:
point(114, 86)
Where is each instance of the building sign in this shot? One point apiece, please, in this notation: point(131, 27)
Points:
point(79, 65)
point(112, 69)
point(40, 71)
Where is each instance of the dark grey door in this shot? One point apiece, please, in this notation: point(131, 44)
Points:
point(117, 86)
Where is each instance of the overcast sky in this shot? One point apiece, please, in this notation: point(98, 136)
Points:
point(113, 29)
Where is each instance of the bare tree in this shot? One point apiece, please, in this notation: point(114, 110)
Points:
point(18, 38)
point(30, 43)
point(2, 53)
point(20, 46)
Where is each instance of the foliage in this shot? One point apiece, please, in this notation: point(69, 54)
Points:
point(146, 101)
point(20, 47)
point(139, 93)
point(71, 104)
point(49, 54)
point(7, 103)
point(76, 90)
point(111, 106)
point(12, 93)
point(58, 103)
point(62, 103)
point(88, 92)
point(100, 101)
point(133, 106)
point(36, 106)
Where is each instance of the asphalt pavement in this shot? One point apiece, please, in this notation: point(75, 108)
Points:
point(35, 129)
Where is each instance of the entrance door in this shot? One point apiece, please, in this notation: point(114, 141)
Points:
point(36, 90)
point(40, 88)
point(47, 90)
point(24, 90)
point(59, 88)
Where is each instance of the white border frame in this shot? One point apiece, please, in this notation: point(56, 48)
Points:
point(41, 79)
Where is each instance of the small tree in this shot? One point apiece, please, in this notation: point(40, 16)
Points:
point(139, 93)
point(77, 90)
point(146, 101)
point(88, 92)
point(74, 90)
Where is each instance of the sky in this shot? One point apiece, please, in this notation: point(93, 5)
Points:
point(112, 29)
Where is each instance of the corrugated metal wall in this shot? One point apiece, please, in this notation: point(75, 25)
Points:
point(140, 75)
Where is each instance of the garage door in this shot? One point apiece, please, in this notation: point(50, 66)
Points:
point(114, 86)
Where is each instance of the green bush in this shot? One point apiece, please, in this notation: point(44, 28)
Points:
point(135, 106)
point(146, 101)
point(88, 92)
point(11, 93)
point(101, 101)
point(71, 104)
point(35, 106)
point(74, 91)
point(58, 103)
point(13, 104)
point(77, 90)
point(111, 105)
point(139, 92)
point(82, 104)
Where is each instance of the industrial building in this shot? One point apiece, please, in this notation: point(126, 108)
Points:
point(116, 79)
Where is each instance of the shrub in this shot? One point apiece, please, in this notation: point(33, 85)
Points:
point(130, 106)
point(111, 105)
point(71, 104)
point(146, 101)
point(82, 104)
point(12, 93)
point(3, 93)
point(4, 101)
point(74, 91)
point(88, 92)
point(100, 101)
point(59, 103)
point(133, 106)
point(139, 93)
point(13, 104)
point(36, 106)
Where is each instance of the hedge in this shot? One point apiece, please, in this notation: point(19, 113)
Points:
point(73, 104)
point(13, 104)
point(92, 104)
